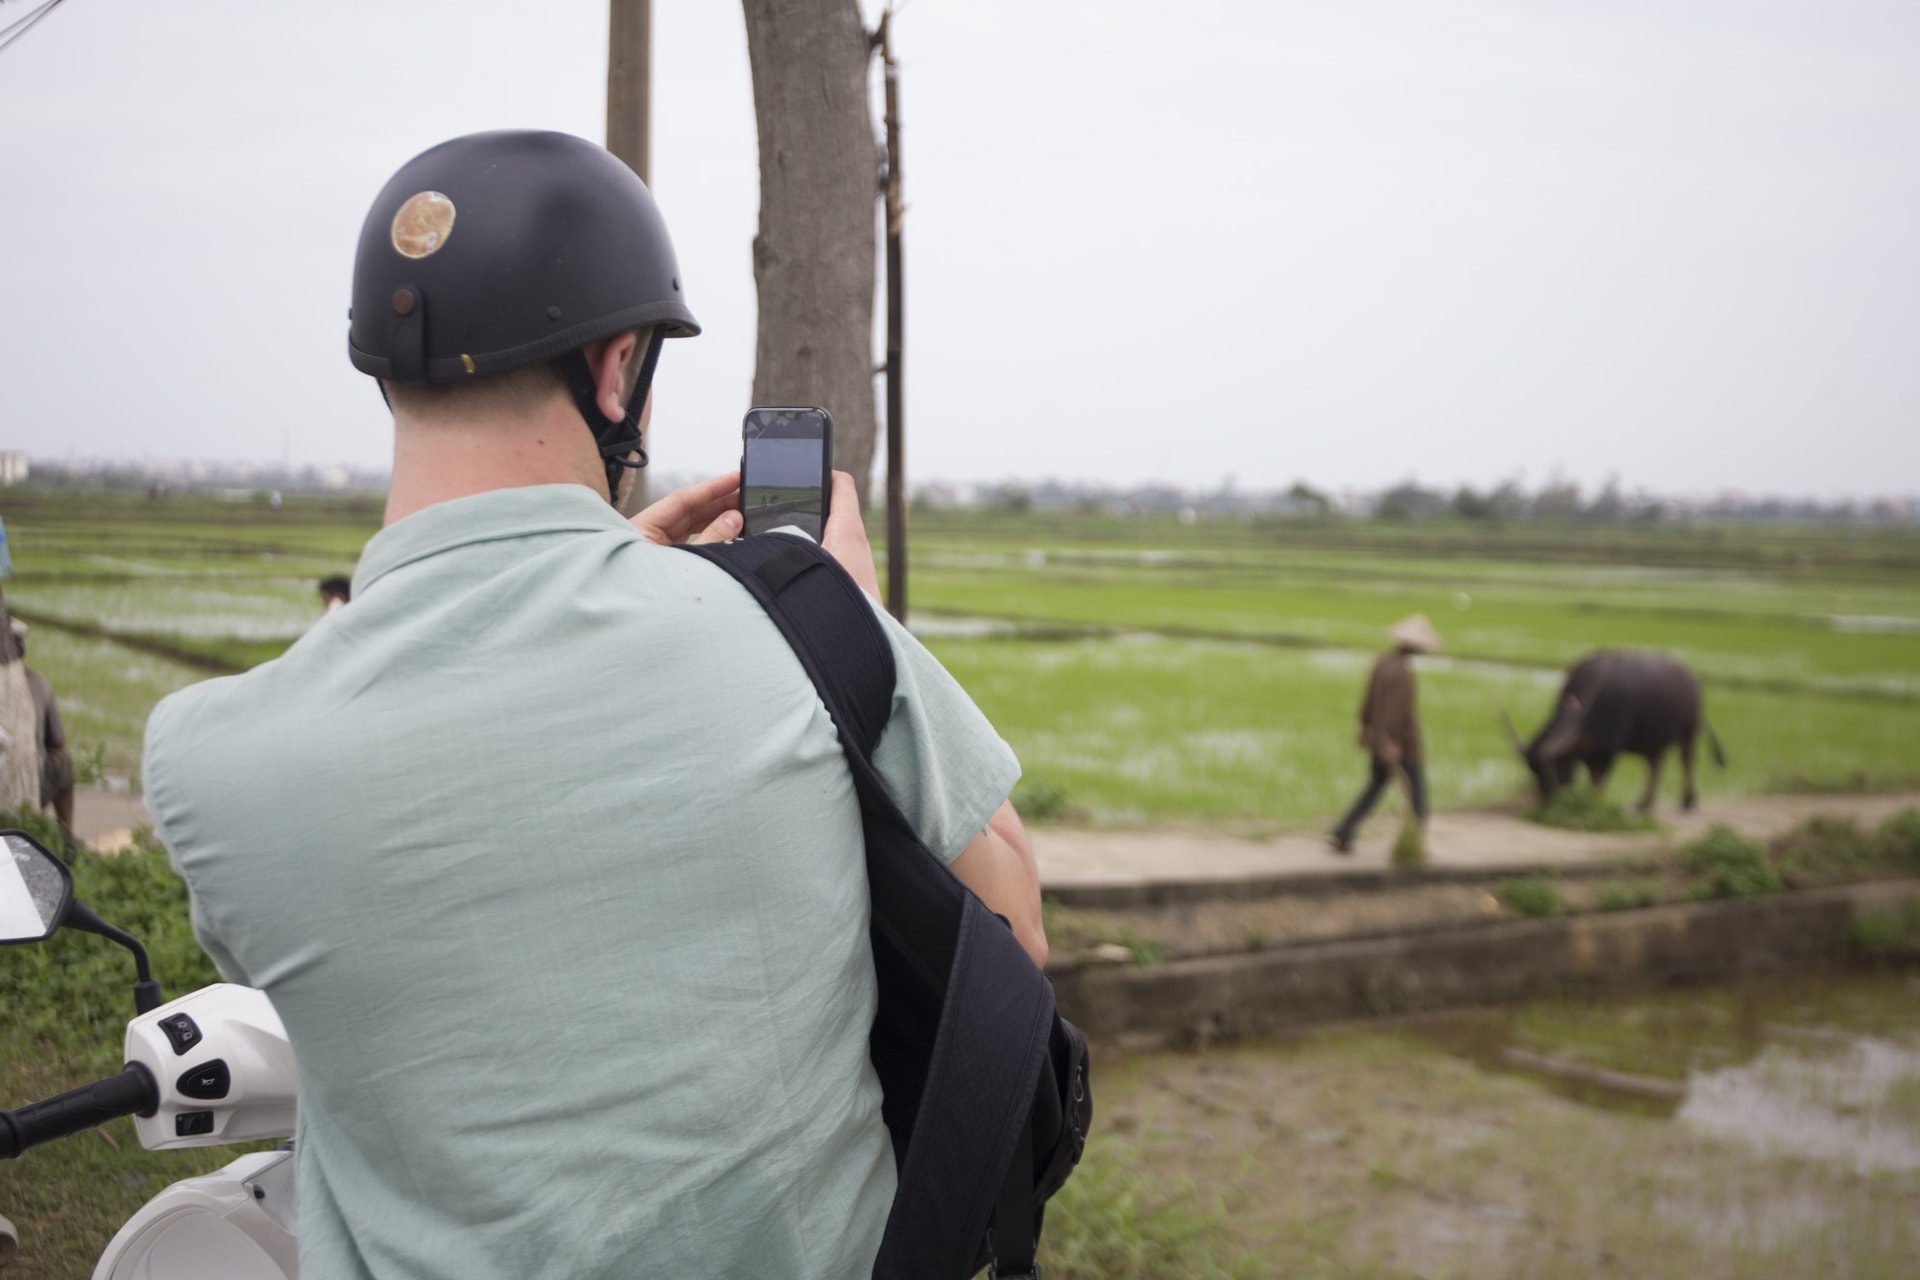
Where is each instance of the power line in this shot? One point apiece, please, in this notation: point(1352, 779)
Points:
point(11, 33)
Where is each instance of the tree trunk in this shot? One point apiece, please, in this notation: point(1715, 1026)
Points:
point(813, 259)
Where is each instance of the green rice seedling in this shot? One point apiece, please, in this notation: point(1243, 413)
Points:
point(1537, 897)
point(1581, 808)
point(1725, 864)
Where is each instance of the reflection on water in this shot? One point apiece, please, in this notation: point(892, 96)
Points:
point(1852, 1103)
point(1824, 1068)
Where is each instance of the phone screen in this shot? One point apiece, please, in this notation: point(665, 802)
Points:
point(785, 470)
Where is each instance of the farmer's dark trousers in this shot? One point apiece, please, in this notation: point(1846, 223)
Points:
point(1377, 782)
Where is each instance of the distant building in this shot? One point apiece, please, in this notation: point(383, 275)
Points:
point(13, 468)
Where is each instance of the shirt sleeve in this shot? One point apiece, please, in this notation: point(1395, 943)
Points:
point(154, 755)
point(947, 768)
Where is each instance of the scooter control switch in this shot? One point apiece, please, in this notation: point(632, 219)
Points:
point(192, 1124)
point(208, 1082)
point(182, 1032)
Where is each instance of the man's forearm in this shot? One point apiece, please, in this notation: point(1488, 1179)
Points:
point(998, 866)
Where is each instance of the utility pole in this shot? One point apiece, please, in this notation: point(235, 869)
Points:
point(629, 119)
point(896, 338)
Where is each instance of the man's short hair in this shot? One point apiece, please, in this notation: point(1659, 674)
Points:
point(336, 586)
point(516, 391)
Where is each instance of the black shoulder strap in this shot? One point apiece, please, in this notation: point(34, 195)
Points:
point(964, 1016)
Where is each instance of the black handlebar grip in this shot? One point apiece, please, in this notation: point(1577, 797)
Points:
point(131, 1093)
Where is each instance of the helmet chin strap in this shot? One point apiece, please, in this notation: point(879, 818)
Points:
point(616, 438)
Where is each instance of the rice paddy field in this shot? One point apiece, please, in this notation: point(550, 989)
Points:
point(1146, 670)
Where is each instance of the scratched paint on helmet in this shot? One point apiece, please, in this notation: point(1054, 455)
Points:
point(422, 225)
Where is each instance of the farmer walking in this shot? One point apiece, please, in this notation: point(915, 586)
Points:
point(19, 723)
point(1390, 726)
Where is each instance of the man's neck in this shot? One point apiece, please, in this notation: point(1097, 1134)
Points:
point(437, 461)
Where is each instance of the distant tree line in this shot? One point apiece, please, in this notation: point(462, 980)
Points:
point(1509, 501)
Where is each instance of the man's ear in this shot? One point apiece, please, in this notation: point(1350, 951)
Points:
point(613, 364)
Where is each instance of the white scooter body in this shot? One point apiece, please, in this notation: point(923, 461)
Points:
point(235, 1223)
point(226, 1075)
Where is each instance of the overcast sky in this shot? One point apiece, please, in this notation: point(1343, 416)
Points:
point(1673, 240)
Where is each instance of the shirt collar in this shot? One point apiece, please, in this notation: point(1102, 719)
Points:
point(492, 516)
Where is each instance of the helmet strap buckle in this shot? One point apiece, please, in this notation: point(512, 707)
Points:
point(618, 440)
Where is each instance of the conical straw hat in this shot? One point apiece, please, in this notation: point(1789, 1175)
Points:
point(1415, 633)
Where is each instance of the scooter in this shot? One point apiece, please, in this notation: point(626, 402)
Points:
point(208, 1069)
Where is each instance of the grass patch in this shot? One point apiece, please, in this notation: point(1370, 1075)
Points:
point(1410, 846)
point(1898, 840)
point(1039, 800)
point(1581, 808)
point(1825, 850)
point(1115, 1220)
point(1628, 894)
point(67, 1001)
point(1536, 897)
point(1725, 864)
point(1071, 931)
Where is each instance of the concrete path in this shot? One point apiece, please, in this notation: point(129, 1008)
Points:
point(1468, 842)
point(104, 819)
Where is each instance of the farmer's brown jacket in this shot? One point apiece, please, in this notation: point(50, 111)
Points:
point(1388, 713)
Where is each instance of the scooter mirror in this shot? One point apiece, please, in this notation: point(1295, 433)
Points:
point(36, 890)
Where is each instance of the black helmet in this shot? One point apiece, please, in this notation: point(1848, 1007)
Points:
point(496, 251)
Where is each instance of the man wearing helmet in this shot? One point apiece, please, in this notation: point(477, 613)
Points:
point(545, 849)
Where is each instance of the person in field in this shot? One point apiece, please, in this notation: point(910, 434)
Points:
point(1390, 727)
point(334, 593)
point(56, 762)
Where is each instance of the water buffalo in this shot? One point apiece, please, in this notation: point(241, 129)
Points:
point(1619, 701)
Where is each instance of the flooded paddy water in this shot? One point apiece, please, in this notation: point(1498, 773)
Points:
point(1765, 1129)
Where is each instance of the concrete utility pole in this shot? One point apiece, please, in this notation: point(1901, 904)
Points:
point(896, 338)
point(629, 119)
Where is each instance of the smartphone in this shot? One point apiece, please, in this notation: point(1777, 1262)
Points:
point(786, 470)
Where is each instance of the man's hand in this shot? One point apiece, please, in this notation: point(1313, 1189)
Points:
point(846, 535)
point(712, 507)
point(998, 865)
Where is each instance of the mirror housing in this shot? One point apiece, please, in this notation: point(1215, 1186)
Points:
point(36, 890)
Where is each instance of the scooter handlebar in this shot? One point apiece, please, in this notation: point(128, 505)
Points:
point(131, 1093)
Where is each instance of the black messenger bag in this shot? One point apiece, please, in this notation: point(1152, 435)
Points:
point(985, 1084)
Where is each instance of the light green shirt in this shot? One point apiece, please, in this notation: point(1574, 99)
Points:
point(546, 852)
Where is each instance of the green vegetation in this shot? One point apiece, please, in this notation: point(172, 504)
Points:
point(1824, 850)
point(1410, 846)
point(1899, 840)
point(1534, 896)
point(1725, 864)
point(1037, 800)
point(1072, 931)
point(67, 1001)
point(1883, 935)
point(1628, 894)
point(1581, 808)
point(1144, 670)
point(1115, 1220)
